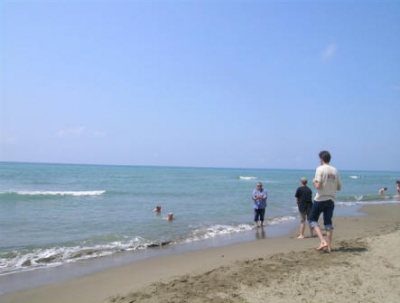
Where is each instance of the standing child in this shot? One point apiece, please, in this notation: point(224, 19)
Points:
point(304, 202)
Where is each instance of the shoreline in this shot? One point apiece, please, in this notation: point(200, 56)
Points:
point(117, 282)
point(39, 277)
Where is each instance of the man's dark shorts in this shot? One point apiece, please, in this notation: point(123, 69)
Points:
point(325, 207)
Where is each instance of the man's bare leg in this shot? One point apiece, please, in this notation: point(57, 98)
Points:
point(323, 243)
point(329, 234)
point(311, 231)
point(302, 227)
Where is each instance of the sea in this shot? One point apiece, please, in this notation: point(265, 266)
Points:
point(56, 215)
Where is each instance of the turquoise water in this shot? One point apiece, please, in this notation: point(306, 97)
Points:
point(53, 214)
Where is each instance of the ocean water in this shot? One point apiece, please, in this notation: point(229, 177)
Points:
point(54, 214)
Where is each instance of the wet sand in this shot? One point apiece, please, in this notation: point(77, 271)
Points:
point(364, 266)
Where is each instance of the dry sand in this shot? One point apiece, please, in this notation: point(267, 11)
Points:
point(364, 266)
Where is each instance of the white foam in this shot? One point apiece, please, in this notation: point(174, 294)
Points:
point(216, 230)
point(61, 193)
point(279, 220)
point(365, 203)
point(55, 256)
point(247, 177)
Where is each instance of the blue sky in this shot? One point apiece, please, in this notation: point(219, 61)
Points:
point(247, 84)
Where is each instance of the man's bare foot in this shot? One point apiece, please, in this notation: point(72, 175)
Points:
point(300, 237)
point(322, 246)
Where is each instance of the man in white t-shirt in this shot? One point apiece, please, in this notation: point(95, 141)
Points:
point(326, 182)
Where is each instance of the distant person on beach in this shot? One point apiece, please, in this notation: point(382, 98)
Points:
point(327, 182)
point(157, 209)
point(383, 190)
point(398, 187)
point(304, 202)
point(260, 203)
point(170, 217)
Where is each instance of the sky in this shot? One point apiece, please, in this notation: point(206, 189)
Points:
point(241, 84)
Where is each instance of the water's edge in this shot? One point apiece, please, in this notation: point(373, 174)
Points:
point(45, 276)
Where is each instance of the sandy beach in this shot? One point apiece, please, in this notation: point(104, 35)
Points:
point(364, 266)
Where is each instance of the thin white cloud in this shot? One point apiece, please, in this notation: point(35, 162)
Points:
point(77, 131)
point(7, 140)
point(329, 51)
point(395, 87)
point(100, 133)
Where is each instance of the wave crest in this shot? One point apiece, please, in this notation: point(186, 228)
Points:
point(56, 193)
point(247, 177)
point(27, 260)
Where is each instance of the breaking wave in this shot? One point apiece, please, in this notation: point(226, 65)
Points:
point(54, 193)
